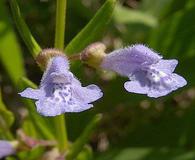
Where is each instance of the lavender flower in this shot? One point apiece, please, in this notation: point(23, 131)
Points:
point(60, 91)
point(6, 149)
point(148, 72)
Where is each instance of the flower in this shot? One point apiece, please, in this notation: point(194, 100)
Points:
point(60, 91)
point(6, 149)
point(148, 72)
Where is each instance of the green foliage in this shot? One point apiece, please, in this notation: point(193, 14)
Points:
point(123, 15)
point(86, 153)
point(33, 154)
point(6, 119)
point(136, 127)
point(78, 145)
point(23, 29)
point(170, 37)
point(149, 154)
point(10, 51)
point(93, 30)
point(154, 7)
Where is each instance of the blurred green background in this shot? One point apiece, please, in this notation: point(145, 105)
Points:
point(134, 127)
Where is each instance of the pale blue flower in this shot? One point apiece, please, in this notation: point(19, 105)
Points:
point(148, 72)
point(6, 149)
point(60, 91)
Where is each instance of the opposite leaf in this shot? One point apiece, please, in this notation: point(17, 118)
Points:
point(94, 29)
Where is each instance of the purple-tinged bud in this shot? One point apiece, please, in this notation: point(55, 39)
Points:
point(94, 54)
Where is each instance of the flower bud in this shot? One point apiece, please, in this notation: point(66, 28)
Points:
point(94, 54)
point(46, 54)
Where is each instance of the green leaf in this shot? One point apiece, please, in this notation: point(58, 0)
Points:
point(78, 145)
point(10, 158)
point(148, 154)
point(132, 154)
point(10, 52)
point(154, 7)
point(6, 119)
point(174, 6)
point(86, 153)
point(23, 29)
point(28, 83)
point(34, 153)
point(175, 36)
point(93, 30)
point(29, 128)
point(125, 15)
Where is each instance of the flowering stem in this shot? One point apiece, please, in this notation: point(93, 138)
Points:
point(61, 133)
point(60, 23)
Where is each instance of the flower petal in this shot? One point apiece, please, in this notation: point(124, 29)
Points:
point(47, 108)
point(180, 81)
point(57, 64)
point(126, 61)
point(61, 77)
point(167, 66)
point(158, 93)
point(60, 91)
point(86, 94)
point(6, 149)
point(77, 107)
point(175, 83)
point(32, 93)
point(136, 87)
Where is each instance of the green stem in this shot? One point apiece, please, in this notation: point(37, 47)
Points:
point(60, 23)
point(61, 133)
